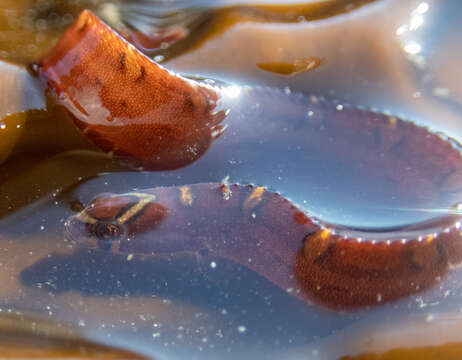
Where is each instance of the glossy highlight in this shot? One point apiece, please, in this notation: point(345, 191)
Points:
point(127, 104)
point(294, 250)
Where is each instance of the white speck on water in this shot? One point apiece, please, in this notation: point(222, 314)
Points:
point(416, 21)
point(129, 257)
point(213, 264)
point(241, 329)
point(339, 107)
point(441, 92)
point(402, 29)
point(412, 48)
point(422, 8)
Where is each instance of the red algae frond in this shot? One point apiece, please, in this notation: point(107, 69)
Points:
point(127, 104)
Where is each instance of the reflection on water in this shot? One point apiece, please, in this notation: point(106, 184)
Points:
point(171, 28)
point(25, 336)
point(370, 172)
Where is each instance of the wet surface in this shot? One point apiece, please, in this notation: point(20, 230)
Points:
point(355, 168)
